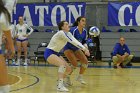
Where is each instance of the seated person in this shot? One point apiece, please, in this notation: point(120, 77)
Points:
point(121, 54)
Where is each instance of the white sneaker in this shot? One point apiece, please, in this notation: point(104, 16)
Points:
point(7, 62)
point(80, 79)
point(25, 64)
point(67, 82)
point(17, 64)
point(62, 89)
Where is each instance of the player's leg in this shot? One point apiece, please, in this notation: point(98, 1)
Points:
point(73, 61)
point(57, 61)
point(84, 64)
point(24, 45)
point(19, 48)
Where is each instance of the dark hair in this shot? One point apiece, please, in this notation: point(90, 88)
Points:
point(5, 11)
point(78, 20)
point(61, 24)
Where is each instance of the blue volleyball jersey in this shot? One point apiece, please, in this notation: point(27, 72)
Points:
point(81, 37)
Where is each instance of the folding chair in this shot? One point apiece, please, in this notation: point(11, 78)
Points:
point(39, 53)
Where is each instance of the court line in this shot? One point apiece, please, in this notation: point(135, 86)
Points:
point(90, 66)
point(20, 79)
point(37, 81)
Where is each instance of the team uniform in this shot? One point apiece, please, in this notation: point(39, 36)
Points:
point(80, 37)
point(21, 31)
point(58, 41)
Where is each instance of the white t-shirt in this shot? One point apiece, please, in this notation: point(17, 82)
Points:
point(4, 26)
point(59, 40)
point(22, 30)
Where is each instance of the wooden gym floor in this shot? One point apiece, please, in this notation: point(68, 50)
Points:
point(42, 79)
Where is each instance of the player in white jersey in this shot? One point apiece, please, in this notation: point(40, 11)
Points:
point(22, 39)
point(4, 28)
point(51, 54)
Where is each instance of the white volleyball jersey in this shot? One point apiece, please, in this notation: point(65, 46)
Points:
point(4, 26)
point(22, 30)
point(59, 40)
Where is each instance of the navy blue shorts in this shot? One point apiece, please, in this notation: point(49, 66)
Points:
point(49, 52)
point(21, 40)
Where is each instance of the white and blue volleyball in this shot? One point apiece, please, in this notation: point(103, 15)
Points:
point(94, 31)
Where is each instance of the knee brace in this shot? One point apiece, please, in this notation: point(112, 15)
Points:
point(84, 65)
point(62, 69)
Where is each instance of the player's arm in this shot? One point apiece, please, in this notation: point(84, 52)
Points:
point(69, 37)
point(30, 28)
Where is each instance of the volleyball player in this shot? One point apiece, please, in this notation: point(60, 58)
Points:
point(22, 39)
point(51, 54)
point(73, 53)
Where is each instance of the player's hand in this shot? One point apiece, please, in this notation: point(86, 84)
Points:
point(26, 35)
point(16, 36)
point(87, 52)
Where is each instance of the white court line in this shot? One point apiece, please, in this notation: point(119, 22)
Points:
point(20, 79)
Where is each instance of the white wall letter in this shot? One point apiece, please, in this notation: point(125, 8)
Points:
point(53, 14)
point(121, 15)
point(41, 13)
point(137, 16)
point(73, 11)
point(27, 16)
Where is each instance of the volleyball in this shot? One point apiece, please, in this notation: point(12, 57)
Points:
point(94, 31)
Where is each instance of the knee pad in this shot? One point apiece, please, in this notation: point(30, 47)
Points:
point(62, 69)
point(84, 65)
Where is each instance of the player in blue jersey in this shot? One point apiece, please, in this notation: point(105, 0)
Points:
point(73, 53)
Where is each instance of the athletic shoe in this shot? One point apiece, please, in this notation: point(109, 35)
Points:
point(25, 64)
point(80, 79)
point(61, 88)
point(67, 82)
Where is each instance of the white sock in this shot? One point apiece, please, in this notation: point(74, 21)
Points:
point(18, 60)
point(26, 60)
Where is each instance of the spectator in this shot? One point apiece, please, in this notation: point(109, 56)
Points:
point(121, 54)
